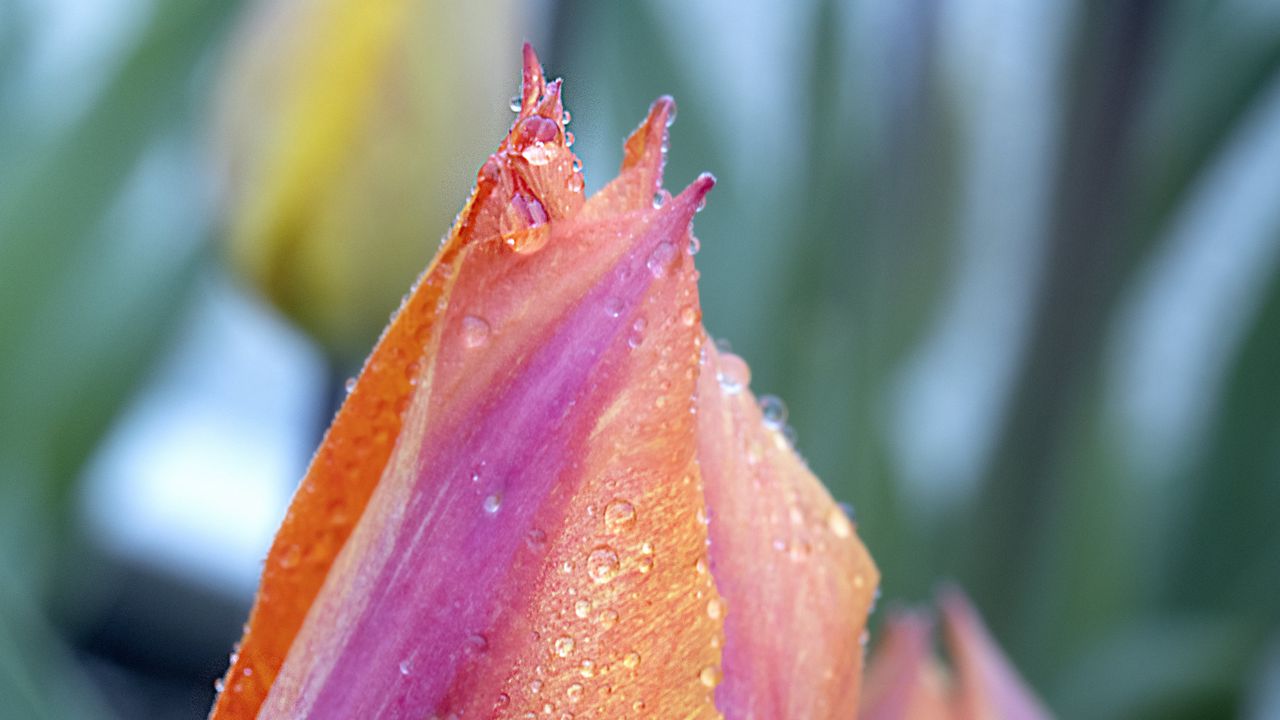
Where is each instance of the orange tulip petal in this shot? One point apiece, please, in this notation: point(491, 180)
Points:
point(797, 584)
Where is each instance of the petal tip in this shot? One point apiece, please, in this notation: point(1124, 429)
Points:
point(533, 81)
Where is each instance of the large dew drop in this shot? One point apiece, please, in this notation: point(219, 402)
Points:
point(603, 564)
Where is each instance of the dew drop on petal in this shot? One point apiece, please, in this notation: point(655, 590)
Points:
point(406, 667)
point(709, 676)
point(689, 315)
point(291, 557)
point(838, 523)
point(493, 503)
point(733, 374)
point(475, 331)
point(582, 608)
point(564, 646)
point(516, 103)
point(602, 564)
point(619, 515)
point(350, 384)
point(538, 129)
point(613, 307)
point(774, 411)
point(715, 608)
point(660, 258)
point(536, 154)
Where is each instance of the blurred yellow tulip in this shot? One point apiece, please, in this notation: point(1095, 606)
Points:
point(343, 133)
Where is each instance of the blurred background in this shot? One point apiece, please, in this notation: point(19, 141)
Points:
point(1013, 266)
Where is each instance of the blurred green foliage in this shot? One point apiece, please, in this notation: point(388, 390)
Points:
point(875, 160)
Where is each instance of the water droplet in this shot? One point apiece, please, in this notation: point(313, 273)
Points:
point(406, 667)
point(502, 700)
point(536, 154)
point(695, 245)
point(602, 564)
point(350, 384)
point(715, 609)
point(838, 523)
point(710, 676)
point(774, 411)
point(638, 705)
point(564, 646)
point(493, 503)
point(574, 692)
point(700, 566)
point(660, 198)
point(568, 139)
point(291, 556)
point(582, 608)
point(644, 564)
point(613, 307)
point(536, 539)
point(631, 659)
point(660, 258)
point(475, 331)
point(524, 224)
point(516, 103)
point(587, 669)
point(689, 315)
point(789, 435)
point(847, 509)
point(477, 643)
point(219, 685)
point(619, 515)
point(733, 374)
point(538, 129)
point(608, 618)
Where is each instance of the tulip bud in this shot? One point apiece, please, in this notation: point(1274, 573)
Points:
point(905, 681)
point(540, 496)
point(341, 129)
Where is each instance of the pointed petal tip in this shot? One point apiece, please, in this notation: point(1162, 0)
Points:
point(988, 680)
point(663, 110)
point(533, 81)
point(695, 195)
